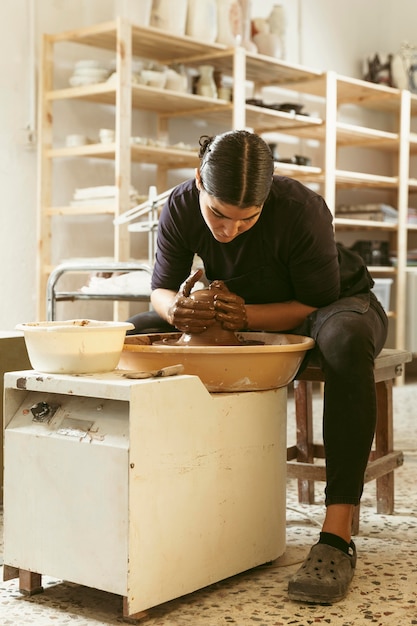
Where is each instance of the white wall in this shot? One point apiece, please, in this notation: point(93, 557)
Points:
point(18, 160)
point(334, 35)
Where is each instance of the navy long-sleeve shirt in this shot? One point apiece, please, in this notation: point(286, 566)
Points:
point(289, 254)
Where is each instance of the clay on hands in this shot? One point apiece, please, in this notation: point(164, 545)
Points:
point(230, 308)
point(228, 314)
point(188, 313)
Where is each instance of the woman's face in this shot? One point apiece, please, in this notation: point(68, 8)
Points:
point(226, 221)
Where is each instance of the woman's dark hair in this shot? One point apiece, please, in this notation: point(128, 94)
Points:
point(236, 168)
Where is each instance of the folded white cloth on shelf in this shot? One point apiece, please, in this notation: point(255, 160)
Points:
point(104, 191)
point(136, 282)
point(130, 282)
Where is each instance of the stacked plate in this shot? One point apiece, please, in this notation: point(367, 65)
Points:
point(88, 72)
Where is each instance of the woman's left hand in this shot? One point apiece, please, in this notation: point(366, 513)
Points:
point(230, 309)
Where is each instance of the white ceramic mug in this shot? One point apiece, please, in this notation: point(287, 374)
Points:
point(106, 135)
point(75, 140)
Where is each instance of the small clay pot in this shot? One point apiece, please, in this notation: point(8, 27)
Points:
point(215, 335)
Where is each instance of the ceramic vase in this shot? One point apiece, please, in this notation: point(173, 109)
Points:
point(206, 85)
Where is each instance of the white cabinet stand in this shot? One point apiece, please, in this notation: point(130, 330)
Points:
point(150, 489)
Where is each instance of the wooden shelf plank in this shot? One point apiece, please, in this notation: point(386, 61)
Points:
point(353, 135)
point(354, 179)
point(99, 93)
point(349, 224)
point(355, 91)
point(263, 119)
point(166, 156)
point(146, 98)
point(92, 209)
point(382, 269)
point(300, 172)
point(349, 135)
point(270, 71)
point(146, 42)
point(367, 94)
point(346, 179)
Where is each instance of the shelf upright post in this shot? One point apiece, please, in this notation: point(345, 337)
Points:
point(239, 88)
point(44, 193)
point(330, 149)
point(122, 165)
point(403, 184)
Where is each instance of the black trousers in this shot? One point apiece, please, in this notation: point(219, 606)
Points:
point(149, 322)
point(349, 334)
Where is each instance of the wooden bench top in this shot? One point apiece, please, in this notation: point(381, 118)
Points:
point(388, 364)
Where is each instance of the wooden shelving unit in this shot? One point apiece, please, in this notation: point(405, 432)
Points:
point(127, 41)
point(329, 129)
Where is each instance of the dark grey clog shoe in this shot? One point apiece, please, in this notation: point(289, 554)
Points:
point(325, 575)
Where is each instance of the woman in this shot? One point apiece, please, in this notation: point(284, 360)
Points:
point(271, 241)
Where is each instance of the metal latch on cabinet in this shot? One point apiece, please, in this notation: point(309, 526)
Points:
point(43, 412)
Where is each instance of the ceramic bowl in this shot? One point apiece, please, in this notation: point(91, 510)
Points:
point(81, 81)
point(222, 368)
point(90, 63)
point(75, 140)
point(154, 78)
point(93, 72)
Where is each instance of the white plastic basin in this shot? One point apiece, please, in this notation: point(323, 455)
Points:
point(74, 346)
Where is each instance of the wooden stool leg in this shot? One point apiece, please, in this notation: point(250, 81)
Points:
point(355, 520)
point(303, 399)
point(384, 444)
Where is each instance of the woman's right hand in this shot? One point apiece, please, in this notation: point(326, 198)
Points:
point(188, 315)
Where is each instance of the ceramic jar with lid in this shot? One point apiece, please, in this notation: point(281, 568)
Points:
point(202, 20)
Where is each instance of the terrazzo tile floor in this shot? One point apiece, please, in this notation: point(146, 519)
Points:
point(383, 591)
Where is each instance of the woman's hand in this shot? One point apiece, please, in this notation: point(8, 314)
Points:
point(187, 314)
point(230, 308)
